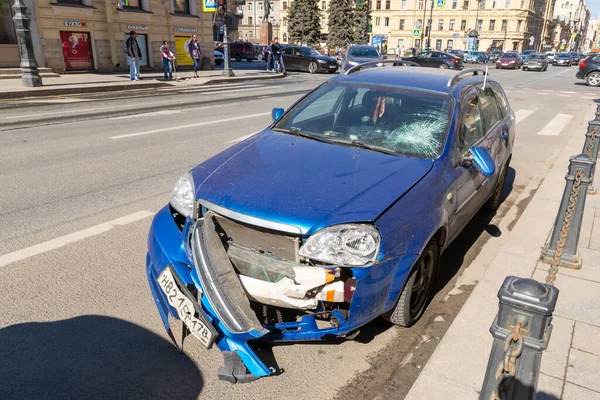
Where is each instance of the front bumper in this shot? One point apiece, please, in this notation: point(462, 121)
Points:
point(377, 289)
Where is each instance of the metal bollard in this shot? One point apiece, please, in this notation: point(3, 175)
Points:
point(562, 249)
point(591, 145)
point(521, 332)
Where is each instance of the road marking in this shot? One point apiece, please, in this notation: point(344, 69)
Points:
point(62, 241)
point(520, 91)
point(78, 110)
point(189, 126)
point(207, 89)
point(564, 95)
point(241, 139)
point(556, 125)
point(150, 114)
point(566, 91)
point(548, 90)
point(522, 114)
point(588, 97)
point(545, 77)
point(543, 94)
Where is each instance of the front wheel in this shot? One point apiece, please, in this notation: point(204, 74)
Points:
point(312, 67)
point(414, 297)
point(238, 58)
point(593, 79)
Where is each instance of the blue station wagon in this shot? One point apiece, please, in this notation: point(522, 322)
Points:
point(334, 215)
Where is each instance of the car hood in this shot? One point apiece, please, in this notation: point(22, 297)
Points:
point(324, 58)
point(304, 183)
point(362, 60)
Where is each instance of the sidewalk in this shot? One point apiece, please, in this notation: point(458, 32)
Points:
point(569, 366)
point(94, 82)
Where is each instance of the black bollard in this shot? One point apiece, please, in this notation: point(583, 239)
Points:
point(565, 234)
point(591, 145)
point(521, 332)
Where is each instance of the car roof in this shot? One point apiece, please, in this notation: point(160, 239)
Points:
point(431, 79)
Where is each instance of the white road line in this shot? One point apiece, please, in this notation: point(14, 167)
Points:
point(556, 125)
point(77, 110)
point(173, 128)
point(548, 90)
point(543, 94)
point(520, 91)
point(566, 91)
point(522, 114)
point(206, 89)
point(62, 241)
point(564, 95)
point(240, 139)
point(588, 97)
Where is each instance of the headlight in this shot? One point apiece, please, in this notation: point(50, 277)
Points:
point(343, 245)
point(183, 198)
point(322, 61)
point(352, 63)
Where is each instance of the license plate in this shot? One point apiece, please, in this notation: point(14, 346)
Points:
point(504, 64)
point(185, 308)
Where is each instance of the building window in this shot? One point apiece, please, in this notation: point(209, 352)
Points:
point(401, 26)
point(466, 5)
point(463, 25)
point(454, 4)
point(403, 6)
point(522, 4)
point(420, 4)
point(284, 22)
point(451, 25)
point(519, 24)
point(504, 25)
point(449, 44)
point(400, 44)
point(387, 4)
point(284, 5)
point(441, 25)
point(260, 6)
point(323, 5)
point(492, 25)
point(438, 44)
point(481, 4)
point(479, 24)
point(377, 21)
point(386, 21)
point(181, 6)
point(507, 4)
point(378, 5)
point(135, 4)
point(250, 21)
point(250, 6)
point(417, 42)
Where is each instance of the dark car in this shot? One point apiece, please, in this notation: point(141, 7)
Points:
point(260, 51)
point(335, 214)
point(575, 58)
point(589, 69)
point(239, 51)
point(535, 61)
point(359, 54)
point(437, 59)
point(303, 58)
point(509, 60)
point(563, 59)
point(494, 56)
point(458, 53)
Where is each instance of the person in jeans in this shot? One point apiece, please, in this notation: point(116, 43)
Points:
point(269, 57)
point(167, 56)
point(276, 50)
point(195, 54)
point(135, 55)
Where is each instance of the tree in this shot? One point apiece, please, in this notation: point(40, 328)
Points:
point(304, 22)
point(362, 21)
point(342, 23)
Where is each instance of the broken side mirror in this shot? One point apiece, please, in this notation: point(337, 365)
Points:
point(482, 160)
point(277, 113)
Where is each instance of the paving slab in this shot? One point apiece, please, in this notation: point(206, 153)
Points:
point(585, 234)
point(583, 370)
point(527, 239)
point(595, 237)
point(590, 269)
point(549, 388)
point(437, 388)
point(554, 359)
point(586, 337)
point(574, 392)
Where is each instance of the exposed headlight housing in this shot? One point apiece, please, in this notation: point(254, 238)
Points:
point(183, 198)
point(350, 245)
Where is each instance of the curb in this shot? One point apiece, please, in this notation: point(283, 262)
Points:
point(242, 78)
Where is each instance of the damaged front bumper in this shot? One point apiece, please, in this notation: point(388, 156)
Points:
point(228, 301)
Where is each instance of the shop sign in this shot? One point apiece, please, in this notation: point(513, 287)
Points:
point(181, 51)
point(77, 50)
point(209, 5)
point(137, 27)
point(185, 30)
point(78, 24)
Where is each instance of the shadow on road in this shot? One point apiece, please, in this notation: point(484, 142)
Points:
point(93, 357)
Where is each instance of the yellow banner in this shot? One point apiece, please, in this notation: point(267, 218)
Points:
point(181, 50)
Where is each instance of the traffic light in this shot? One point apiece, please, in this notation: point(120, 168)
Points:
point(222, 7)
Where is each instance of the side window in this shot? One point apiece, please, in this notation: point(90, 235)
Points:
point(288, 50)
point(489, 108)
point(471, 129)
point(501, 97)
point(424, 55)
point(323, 106)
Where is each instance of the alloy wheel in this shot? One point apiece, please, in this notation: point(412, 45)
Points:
point(593, 79)
point(423, 281)
point(312, 67)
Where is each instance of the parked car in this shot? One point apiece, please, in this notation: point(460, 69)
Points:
point(219, 59)
point(535, 61)
point(239, 51)
point(563, 59)
point(337, 212)
point(458, 53)
point(437, 59)
point(526, 53)
point(476, 57)
point(302, 58)
point(550, 56)
point(509, 60)
point(259, 52)
point(575, 58)
point(589, 69)
point(358, 54)
point(494, 56)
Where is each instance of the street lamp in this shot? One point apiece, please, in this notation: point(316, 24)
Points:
point(223, 14)
point(29, 68)
point(430, 24)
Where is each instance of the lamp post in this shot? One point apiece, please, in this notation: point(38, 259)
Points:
point(504, 41)
point(423, 25)
point(29, 68)
point(430, 25)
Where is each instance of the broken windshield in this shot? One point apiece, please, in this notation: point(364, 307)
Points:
point(397, 120)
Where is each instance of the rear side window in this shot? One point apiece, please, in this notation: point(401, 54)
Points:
point(489, 108)
point(472, 128)
point(501, 98)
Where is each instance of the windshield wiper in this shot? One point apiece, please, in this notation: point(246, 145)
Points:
point(298, 132)
point(363, 145)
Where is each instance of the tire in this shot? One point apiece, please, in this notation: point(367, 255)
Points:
point(593, 79)
point(249, 59)
point(524, 69)
point(443, 66)
point(219, 62)
point(405, 313)
point(238, 58)
point(313, 67)
point(259, 57)
point(495, 201)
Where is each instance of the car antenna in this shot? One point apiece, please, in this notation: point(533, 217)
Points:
point(485, 77)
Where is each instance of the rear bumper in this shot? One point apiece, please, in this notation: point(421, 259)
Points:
point(377, 288)
point(581, 74)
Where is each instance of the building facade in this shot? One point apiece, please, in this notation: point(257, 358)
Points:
point(323, 7)
point(592, 37)
point(88, 35)
point(252, 17)
point(571, 24)
point(500, 24)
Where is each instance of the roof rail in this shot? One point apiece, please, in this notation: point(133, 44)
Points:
point(475, 71)
point(379, 63)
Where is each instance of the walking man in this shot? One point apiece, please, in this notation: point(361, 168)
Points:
point(167, 56)
point(135, 55)
point(195, 53)
point(276, 50)
point(270, 56)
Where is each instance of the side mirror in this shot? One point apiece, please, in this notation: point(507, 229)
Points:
point(482, 160)
point(277, 113)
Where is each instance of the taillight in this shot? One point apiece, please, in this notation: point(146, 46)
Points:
point(454, 60)
point(582, 63)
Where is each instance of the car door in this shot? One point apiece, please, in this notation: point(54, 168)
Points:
point(507, 131)
point(422, 58)
point(289, 59)
point(435, 60)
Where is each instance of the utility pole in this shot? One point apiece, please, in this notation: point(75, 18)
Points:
point(430, 24)
point(31, 76)
point(223, 12)
point(423, 25)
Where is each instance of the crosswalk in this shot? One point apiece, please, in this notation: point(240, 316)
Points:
point(552, 127)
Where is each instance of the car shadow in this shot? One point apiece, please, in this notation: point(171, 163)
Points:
point(93, 357)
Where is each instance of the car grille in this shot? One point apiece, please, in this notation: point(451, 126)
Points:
point(332, 63)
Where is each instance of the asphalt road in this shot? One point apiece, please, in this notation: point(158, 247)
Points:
point(81, 177)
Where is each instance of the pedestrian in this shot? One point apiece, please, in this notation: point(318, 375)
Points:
point(195, 54)
point(134, 54)
point(270, 56)
point(276, 49)
point(167, 56)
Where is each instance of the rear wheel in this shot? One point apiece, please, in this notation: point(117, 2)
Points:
point(593, 79)
point(238, 58)
point(414, 297)
point(312, 67)
point(443, 66)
